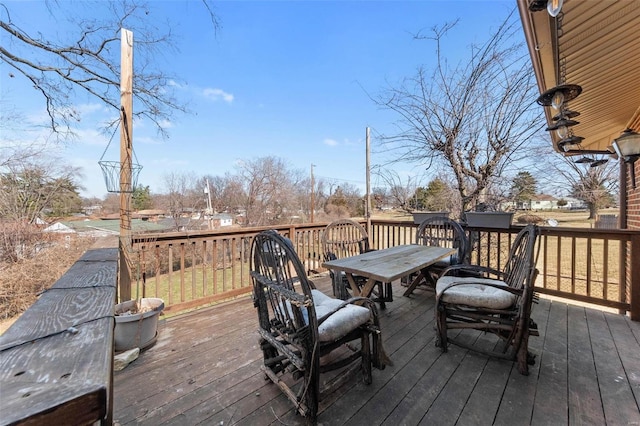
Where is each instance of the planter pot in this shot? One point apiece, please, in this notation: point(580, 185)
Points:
point(501, 220)
point(419, 217)
point(137, 329)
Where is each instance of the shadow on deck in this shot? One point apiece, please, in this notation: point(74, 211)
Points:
point(205, 368)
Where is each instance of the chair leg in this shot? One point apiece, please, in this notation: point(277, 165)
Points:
point(441, 324)
point(524, 357)
point(365, 350)
point(311, 388)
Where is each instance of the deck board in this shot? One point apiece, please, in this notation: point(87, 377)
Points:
point(205, 369)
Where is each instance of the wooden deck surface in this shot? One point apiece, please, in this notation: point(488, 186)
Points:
point(205, 369)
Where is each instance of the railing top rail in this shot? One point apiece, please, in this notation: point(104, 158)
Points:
point(164, 236)
point(56, 360)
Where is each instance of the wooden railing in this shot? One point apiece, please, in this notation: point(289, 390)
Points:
point(587, 265)
point(200, 268)
point(56, 360)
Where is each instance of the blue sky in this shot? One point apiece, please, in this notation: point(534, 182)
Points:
point(290, 79)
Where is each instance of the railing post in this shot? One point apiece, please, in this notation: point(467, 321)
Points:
point(634, 277)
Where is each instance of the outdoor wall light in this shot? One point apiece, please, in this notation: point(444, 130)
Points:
point(553, 6)
point(562, 127)
point(559, 95)
point(627, 146)
point(569, 144)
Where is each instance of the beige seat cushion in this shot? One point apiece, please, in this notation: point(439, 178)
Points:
point(474, 292)
point(340, 323)
point(346, 319)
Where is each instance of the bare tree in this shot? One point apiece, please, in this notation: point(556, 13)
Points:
point(400, 191)
point(475, 118)
point(269, 190)
point(88, 61)
point(183, 194)
point(595, 185)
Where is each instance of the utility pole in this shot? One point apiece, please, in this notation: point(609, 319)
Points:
point(313, 198)
point(368, 172)
point(209, 210)
point(126, 152)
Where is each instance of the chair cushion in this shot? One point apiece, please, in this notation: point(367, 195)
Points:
point(474, 292)
point(340, 323)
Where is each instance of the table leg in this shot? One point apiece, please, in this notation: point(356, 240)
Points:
point(368, 287)
point(355, 290)
point(414, 284)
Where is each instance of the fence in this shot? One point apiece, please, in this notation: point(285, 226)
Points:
point(192, 270)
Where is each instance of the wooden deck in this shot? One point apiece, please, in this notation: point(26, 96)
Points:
point(205, 369)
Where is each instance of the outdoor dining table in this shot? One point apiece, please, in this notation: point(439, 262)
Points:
point(387, 265)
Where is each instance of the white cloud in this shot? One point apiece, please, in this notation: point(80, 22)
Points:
point(168, 162)
point(92, 137)
point(147, 140)
point(330, 142)
point(165, 124)
point(217, 94)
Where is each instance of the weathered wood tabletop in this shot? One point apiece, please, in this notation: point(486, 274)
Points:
point(387, 265)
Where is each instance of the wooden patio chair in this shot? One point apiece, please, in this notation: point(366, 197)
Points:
point(498, 302)
point(344, 238)
point(441, 232)
point(299, 325)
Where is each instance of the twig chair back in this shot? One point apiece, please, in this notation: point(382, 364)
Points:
point(340, 239)
point(497, 302)
point(439, 231)
point(298, 325)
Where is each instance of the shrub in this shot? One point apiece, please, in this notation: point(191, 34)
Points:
point(41, 260)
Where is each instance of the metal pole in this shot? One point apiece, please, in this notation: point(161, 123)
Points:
point(313, 199)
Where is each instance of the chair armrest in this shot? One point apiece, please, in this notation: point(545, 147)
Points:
point(471, 269)
point(351, 301)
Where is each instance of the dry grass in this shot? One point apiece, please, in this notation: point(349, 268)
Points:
point(23, 280)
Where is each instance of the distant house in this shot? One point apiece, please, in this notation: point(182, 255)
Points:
point(152, 215)
point(574, 204)
point(536, 202)
point(543, 202)
point(220, 220)
point(92, 210)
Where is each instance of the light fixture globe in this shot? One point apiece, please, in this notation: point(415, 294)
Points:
point(627, 144)
point(557, 100)
point(554, 7)
point(562, 127)
point(627, 147)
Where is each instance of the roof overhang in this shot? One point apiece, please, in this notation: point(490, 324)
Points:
point(594, 44)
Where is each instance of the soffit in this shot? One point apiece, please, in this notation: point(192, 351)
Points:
point(598, 48)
